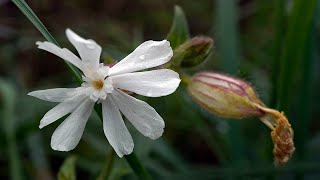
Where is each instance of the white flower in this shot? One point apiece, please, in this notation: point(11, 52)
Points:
point(105, 85)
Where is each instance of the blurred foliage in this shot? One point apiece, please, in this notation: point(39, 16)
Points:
point(272, 45)
point(67, 170)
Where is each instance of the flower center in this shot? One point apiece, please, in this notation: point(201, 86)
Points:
point(98, 84)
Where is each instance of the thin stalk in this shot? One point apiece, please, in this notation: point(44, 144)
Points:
point(137, 167)
point(105, 173)
point(133, 161)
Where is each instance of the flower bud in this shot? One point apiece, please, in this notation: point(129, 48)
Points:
point(230, 97)
point(192, 53)
point(224, 96)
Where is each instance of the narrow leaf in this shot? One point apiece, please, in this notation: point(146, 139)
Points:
point(27, 11)
point(179, 32)
point(228, 49)
point(295, 74)
point(299, 27)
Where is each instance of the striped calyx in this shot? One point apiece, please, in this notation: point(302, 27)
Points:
point(224, 96)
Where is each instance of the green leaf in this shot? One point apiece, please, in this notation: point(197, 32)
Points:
point(295, 75)
point(179, 31)
point(226, 24)
point(67, 170)
point(305, 96)
point(227, 45)
point(296, 39)
point(279, 23)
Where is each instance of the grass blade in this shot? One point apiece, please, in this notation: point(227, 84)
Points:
point(228, 31)
point(299, 26)
point(27, 11)
point(296, 64)
point(305, 97)
point(228, 48)
point(279, 22)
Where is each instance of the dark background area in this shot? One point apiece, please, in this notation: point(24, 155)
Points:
point(251, 42)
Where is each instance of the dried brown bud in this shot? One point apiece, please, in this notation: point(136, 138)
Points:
point(282, 138)
point(282, 135)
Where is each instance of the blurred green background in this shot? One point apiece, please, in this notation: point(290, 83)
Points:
point(273, 45)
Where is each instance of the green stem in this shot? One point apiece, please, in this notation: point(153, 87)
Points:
point(137, 167)
point(185, 79)
point(133, 161)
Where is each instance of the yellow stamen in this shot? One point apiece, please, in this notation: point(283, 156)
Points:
point(98, 84)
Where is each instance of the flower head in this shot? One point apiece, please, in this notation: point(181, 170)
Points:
point(103, 84)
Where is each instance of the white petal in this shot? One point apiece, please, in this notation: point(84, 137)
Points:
point(149, 83)
point(68, 134)
point(53, 95)
point(88, 49)
point(140, 114)
point(60, 110)
point(115, 129)
point(62, 53)
point(149, 54)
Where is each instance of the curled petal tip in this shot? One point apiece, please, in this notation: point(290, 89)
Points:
point(38, 43)
point(68, 30)
point(41, 126)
